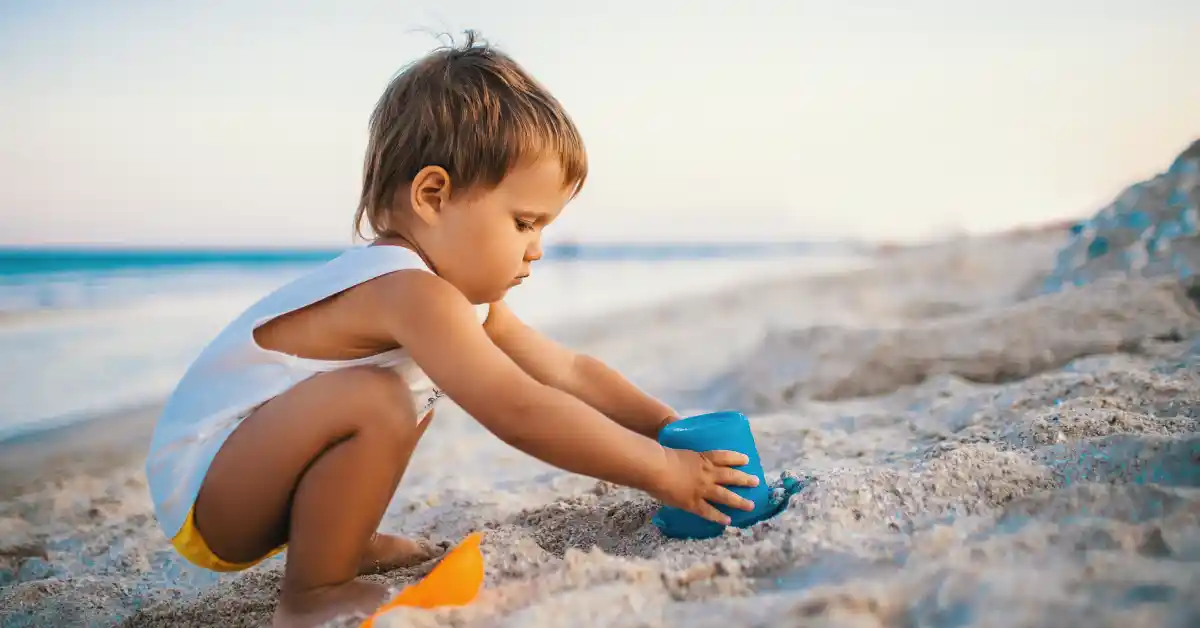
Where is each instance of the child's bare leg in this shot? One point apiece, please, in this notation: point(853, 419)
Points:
point(386, 552)
point(316, 468)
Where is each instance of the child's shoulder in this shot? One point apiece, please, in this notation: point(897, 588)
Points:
point(369, 281)
point(377, 299)
point(377, 269)
point(401, 280)
point(417, 298)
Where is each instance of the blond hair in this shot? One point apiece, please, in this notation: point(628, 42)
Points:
point(470, 109)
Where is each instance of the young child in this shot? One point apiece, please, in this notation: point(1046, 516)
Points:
point(294, 426)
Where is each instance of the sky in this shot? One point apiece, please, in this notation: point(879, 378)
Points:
point(244, 122)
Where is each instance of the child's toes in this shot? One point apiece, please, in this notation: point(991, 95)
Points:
point(387, 552)
point(430, 550)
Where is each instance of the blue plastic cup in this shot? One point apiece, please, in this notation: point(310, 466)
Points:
point(706, 432)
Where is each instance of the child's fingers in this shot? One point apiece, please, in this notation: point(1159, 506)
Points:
point(722, 495)
point(726, 458)
point(706, 510)
point(733, 477)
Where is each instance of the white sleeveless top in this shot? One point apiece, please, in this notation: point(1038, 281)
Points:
point(233, 375)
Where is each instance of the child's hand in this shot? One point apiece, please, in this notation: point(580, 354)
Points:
point(693, 479)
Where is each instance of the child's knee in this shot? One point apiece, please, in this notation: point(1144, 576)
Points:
point(392, 417)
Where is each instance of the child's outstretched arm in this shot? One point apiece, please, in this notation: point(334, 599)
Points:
point(582, 376)
point(437, 325)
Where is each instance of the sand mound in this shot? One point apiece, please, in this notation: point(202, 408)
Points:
point(834, 362)
point(1152, 229)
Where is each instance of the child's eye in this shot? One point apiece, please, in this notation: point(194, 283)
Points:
point(523, 225)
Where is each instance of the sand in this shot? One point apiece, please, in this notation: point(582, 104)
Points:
point(973, 456)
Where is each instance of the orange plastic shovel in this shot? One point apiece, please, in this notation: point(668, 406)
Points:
point(455, 581)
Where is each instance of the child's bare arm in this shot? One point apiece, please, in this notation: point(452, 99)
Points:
point(582, 376)
point(438, 327)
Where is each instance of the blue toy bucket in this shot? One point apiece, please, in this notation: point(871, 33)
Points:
point(705, 432)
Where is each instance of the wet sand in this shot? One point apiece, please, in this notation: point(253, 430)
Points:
point(972, 456)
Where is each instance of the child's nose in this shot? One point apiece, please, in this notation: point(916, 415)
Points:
point(534, 252)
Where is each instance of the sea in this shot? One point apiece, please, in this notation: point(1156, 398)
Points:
point(88, 332)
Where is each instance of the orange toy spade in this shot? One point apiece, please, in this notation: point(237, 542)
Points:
point(455, 581)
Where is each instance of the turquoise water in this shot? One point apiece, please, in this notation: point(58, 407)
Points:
point(89, 331)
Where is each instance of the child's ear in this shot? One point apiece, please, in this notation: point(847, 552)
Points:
point(430, 189)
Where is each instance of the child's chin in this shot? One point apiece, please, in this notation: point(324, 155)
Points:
point(497, 295)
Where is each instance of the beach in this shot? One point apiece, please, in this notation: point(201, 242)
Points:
point(971, 453)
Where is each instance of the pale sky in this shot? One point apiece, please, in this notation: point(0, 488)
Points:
point(243, 122)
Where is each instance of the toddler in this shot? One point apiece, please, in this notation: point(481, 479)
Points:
point(294, 426)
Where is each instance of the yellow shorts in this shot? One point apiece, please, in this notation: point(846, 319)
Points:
point(191, 546)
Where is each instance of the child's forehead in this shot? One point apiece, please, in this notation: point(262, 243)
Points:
point(539, 184)
point(543, 172)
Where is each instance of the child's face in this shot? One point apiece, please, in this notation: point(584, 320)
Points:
point(483, 242)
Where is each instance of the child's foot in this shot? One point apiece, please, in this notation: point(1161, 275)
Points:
point(320, 606)
point(387, 552)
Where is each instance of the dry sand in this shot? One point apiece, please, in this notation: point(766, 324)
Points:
point(973, 458)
